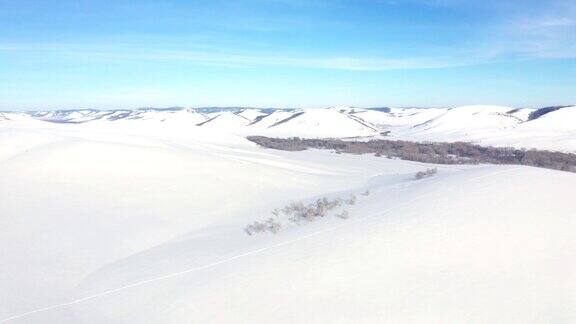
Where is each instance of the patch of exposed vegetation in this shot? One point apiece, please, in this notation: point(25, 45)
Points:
point(299, 213)
point(543, 111)
point(270, 225)
point(425, 174)
point(428, 152)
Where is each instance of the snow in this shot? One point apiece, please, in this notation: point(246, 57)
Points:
point(523, 114)
point(487, 125)
point(319, 123)
point(468, 123)
point(400, 116)
point(493, 125)
point(251, 114)
point(394, 263)
point(272, 119)
point(140, 221)
point(226, 121)
point(561, 119)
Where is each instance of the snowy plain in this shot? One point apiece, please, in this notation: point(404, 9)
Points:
point(114, 219)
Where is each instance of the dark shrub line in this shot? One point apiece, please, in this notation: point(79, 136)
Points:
point(438, 153)
point(543, 111)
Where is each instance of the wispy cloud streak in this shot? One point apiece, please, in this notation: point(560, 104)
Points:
point(239, 60)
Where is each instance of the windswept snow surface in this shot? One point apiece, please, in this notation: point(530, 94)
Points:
point(138, 221)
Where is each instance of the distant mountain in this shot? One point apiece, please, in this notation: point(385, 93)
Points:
point(551, 128)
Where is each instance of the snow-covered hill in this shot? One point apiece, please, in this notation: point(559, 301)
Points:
point(497, 126)
point(131, 221)
point(551, 128)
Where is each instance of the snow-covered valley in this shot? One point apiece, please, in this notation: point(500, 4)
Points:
point(138, 217)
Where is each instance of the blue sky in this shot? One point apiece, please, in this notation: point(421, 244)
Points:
point(286, 53)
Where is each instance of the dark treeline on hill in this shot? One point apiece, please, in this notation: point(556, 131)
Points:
point(440, 152)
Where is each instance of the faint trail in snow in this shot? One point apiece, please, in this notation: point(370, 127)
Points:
point(238, 256)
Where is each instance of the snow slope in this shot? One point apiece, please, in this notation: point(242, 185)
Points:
point(485, 125)
point(498, 126)
point(117, 222)
point(399, 116)
point(261, 123)
point(392, 262)
point(559, 120)
point(319, 123)
point(226, 121)
point(554, 131)
point(466, 123)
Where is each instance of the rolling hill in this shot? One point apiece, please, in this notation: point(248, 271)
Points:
point(550, 128)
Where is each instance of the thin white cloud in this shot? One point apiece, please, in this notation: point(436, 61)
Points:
point(238, 60)
point(558, 22)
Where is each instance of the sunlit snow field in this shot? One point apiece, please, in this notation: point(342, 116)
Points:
point(142, 222)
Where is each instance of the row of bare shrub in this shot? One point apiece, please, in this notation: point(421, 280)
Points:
point(426, 173)
point(299, 212)
point(429, 152)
